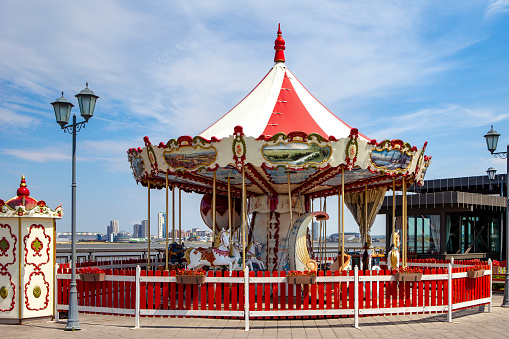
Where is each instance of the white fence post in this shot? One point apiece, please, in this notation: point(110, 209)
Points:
point(356, 297)
point(55, 295)
point(449, 292)
point(246, 298)
point(491, 284)
point(137, 301)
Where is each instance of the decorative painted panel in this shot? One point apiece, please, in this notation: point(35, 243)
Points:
point(189, 157)
point(8, 242)
point(37, 246)
point(296, 154)
point(7, 292)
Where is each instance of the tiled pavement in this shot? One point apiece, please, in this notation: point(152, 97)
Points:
point(471, 323)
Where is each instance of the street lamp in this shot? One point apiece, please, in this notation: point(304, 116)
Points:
point(491, 142)
point(62, 107)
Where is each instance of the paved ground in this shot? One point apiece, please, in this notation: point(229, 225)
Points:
point(471, 323)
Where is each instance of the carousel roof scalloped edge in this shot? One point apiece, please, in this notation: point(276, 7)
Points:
point(151, 173)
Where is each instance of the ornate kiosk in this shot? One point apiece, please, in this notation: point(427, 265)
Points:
point(27, 257)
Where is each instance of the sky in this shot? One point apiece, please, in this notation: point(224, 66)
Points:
point(419, 71)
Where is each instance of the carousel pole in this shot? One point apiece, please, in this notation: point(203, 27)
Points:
point(366, 214)
point(289, 197)
point(342, 217)
point(214, 209)
point(393, 205)
point(180, 216)
point(148, 226)
point(229, 215)
point(404, 210)
point(243, 218)
point(320, 233)
point(325, 231)
point(173, 211)
point(166, 223)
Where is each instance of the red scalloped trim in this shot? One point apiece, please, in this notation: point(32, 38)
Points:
point(46, 299)
point(25, 238)
point(4, 267)
point(13, 300)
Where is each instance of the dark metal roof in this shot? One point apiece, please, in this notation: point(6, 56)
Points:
point(478, 184)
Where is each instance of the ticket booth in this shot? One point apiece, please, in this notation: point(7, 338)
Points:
point(27, 257)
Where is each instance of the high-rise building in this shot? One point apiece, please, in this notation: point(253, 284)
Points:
point(161, 229)
point(316, 230)
point(114, 226)
point(136, 230)
point(144, 229)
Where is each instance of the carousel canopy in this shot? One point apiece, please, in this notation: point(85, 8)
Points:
point(24, 205)
point(284, 141)
point(280, 104)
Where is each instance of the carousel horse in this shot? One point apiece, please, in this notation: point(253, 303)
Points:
point(393, 255)
point(251, 257)
point(219, 255)
point(176, 254)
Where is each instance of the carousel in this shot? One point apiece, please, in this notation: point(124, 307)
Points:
point(266, 169)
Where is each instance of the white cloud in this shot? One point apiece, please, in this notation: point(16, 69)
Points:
point(436, 121)
point(10, 119)
point(497, 7)
point(40, 155)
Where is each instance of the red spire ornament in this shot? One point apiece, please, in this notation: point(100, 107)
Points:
point(279, 46)
point(23, 190)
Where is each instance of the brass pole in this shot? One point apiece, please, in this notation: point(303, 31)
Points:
point(393, 205)
point(365, 213)
point(230, 215)
point(325, 231)
point(148, 226)
point(166, 223)
point(342, 217)
point(173, 211)
point(180, 216)
point(320, 233)
point(404, 224)
point(289, 197)
point(214, 208)
point(243, 219)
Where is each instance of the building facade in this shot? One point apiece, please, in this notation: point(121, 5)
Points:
point(458, 217)
point(161, 225)
point(144, 229)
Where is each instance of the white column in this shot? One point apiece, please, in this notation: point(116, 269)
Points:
point(137, 301)
point(356, 297)
point(246, 298)
point(449, 292)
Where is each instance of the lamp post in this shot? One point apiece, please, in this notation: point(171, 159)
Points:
point(62, 107)
point(491, 142)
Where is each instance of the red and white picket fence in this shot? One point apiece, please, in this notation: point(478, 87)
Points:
point(355, 293)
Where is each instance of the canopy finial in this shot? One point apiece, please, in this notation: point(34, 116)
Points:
point(279, 46)
point(23, 190)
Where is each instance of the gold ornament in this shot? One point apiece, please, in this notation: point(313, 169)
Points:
point(37, 291)
point(4, 292)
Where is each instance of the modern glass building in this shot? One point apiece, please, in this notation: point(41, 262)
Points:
point(459, 217)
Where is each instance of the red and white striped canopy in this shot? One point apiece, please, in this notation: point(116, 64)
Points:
point(279, 104)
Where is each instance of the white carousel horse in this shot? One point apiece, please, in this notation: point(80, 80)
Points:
point(393, 255)
point(219, 255)
point(250, 255)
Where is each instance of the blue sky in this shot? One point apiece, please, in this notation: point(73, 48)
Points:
point(419, 71)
